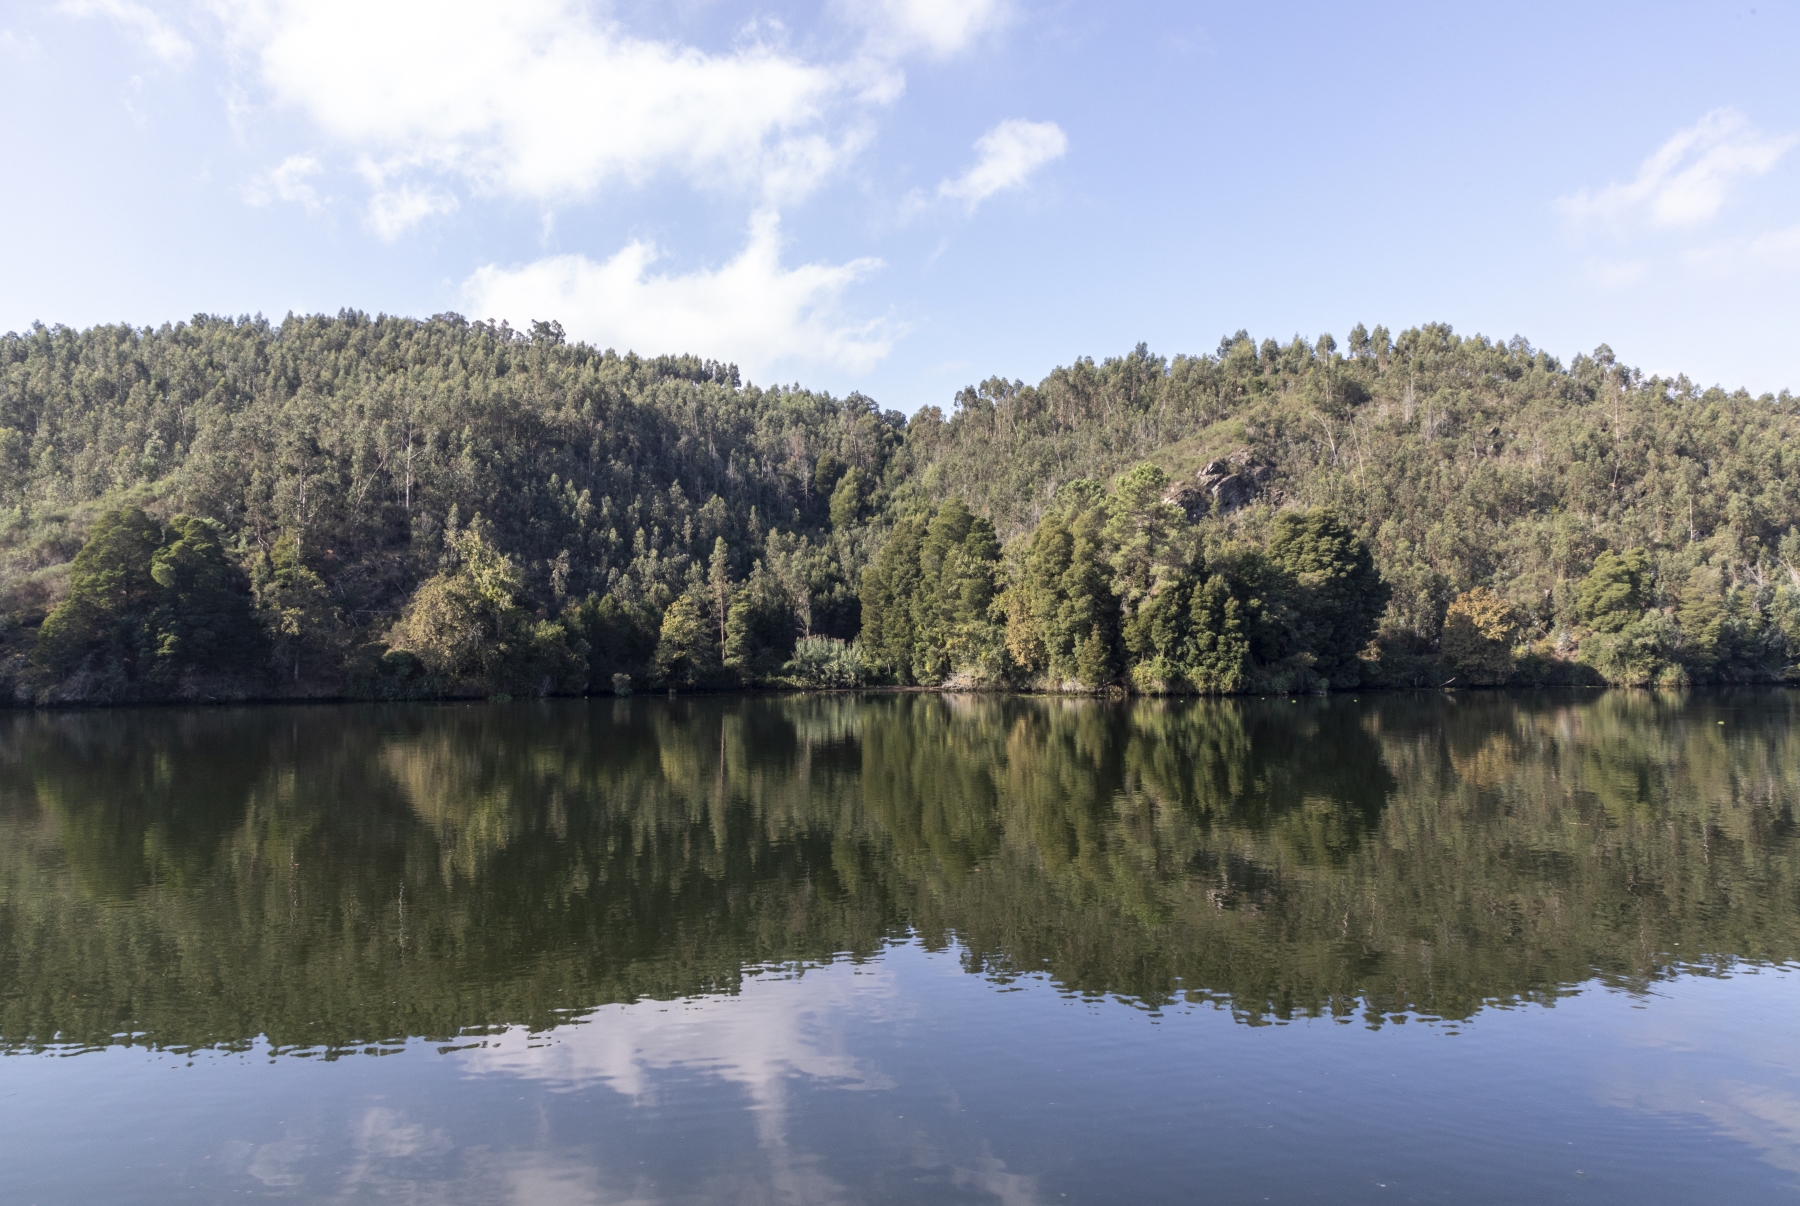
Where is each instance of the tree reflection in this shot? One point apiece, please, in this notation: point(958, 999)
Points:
point(335, 876)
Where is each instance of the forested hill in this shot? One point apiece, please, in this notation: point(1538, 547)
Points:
point(380, 506)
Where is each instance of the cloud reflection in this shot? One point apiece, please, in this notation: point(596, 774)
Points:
point(783, 1034)
point(1698, 1054)
point(779, 1027)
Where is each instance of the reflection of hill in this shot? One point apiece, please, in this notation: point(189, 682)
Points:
point(334, 876)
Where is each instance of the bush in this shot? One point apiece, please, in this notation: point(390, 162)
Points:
point(825, 662)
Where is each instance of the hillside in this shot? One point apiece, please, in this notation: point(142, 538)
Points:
point(400, 507)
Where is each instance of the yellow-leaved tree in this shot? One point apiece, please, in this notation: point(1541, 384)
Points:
point(1477, 641)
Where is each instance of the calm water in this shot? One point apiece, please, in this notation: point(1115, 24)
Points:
point(1479, 948)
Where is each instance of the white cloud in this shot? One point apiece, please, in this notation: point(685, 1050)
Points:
point(157, 35)
point(1688, 180)
point(751, 310)
point(394, 211)
point(290, 181)
point(939, 28)
point(1777, 249)
point(1009, 154)
point(541, 99)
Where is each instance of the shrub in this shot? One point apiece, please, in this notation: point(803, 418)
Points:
point(825, 662)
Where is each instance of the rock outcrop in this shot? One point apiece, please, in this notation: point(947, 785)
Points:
point(1222, 487)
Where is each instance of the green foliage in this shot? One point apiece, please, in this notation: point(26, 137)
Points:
point(1704, 618)
point(1634, 655)
point(1459, 461)
point(1140, 529)
point(812, 575)
point(294, 605)
point(1625, 642)
point(1190, 636)
point(927, 600)
point(889, 586)
point(100, 628)
point(1333, 594)
point(1616, 591)
point(470, 633)
point(620, 637)
point(356, 438)
point(687, 651)
point(1637, 528)
point(1062, 617)
point(827, 663)
point(1120, 586)
point(1478, 637)
point(760, 630)
point(202, 623)
point(848, 499)
point(152, 610)
point(465, 623)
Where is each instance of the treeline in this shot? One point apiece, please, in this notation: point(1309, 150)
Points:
point(392, 508)
point(403, 508)
point(1533, 522)
point(1121, 591)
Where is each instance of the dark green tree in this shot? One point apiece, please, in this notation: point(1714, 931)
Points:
point(202, 623)
point(760, 631)
point(1140, 530)
point(1333, 596)
point(847, 499)
point(1627, 643)
point(150, 610)
point(1616, 591)
point(620, 638)
point(889, 586)
point(101, 630)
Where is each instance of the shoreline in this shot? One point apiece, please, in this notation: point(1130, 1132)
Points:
point(778, 692)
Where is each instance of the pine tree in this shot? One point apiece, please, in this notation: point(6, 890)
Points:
point(1140, 528)
point(148, 607)
point(718, 585)
point(294, 605)
point(101, 627)
point(202, 623)
point(760, 630)
point(1333, 594)
point(1221, 661)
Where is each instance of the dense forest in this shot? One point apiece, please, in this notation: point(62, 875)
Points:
point(334, 877)
point(389, 508)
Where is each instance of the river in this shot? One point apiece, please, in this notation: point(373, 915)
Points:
point(1475, 947)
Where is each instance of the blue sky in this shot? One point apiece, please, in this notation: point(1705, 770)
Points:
point(907, 196)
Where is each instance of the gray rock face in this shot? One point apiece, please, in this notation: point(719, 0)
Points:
point(1222, 486)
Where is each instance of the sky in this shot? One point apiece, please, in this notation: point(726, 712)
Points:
point(904, 197)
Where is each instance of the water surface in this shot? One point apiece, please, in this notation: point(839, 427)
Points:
point(904, 948)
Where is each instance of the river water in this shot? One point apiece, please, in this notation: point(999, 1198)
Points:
point(905, 948)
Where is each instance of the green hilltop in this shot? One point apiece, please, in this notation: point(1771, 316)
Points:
point(393, 508)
